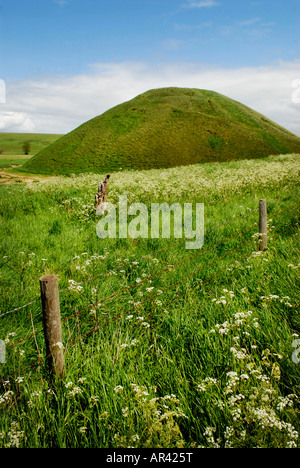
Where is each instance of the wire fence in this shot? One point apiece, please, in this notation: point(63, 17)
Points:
point(39, 361)
point(148, 255)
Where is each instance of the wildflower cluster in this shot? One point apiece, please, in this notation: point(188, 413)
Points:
point(133, 343)
point(74, 390)
point(157, 419)
point(173, 183)
point(294, 267)
point(139, 320)
point(274, 297)
point(84, 263)
point(9, 336)
point(73, 286)
point(6, 398)
point(223, 300)
point(248, 398)
point(238, 320)
point(13, 436)
point(78, 207)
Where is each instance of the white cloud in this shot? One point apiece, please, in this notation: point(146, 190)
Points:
point(191, 27)
point(202, 4)
point(61, 3)
point(249, 22)
point(16, 122)
point(176, 44)
point(60, 104)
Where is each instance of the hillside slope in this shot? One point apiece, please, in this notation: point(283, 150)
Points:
point(165, 128)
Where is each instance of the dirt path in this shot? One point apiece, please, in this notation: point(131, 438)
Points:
point(11, 178)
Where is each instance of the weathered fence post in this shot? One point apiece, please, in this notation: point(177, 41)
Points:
point(100, 198)
point(52, 324)
point(263, 225)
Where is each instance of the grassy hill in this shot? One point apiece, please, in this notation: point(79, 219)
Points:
point(165, 128)
point(12, 143)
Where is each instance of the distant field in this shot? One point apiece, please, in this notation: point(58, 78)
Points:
point(12, 143)
point(7, 160)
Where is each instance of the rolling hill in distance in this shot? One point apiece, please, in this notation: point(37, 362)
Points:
point(164, 128)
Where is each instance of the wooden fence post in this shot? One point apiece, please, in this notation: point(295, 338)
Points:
point(263, 225)
point(100, 198)
point(52, 324)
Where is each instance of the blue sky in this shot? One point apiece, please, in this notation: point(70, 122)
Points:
point(51, 44)
point(66, 36)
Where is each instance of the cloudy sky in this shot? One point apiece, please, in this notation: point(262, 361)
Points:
point(64, 62)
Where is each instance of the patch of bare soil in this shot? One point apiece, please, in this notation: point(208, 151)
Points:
point(10, 178)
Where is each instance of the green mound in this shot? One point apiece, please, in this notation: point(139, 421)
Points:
point(165, 128)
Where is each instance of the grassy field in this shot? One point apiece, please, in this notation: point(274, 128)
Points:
point(191, 348)
point(12, 143)
point(12, 160)
point(164, 128)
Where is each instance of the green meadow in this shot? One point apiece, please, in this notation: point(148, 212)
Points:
point(11, 146)
point(7, 161)
point(164, 346)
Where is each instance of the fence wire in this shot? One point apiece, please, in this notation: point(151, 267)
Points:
point(234, 218)
point(152, 297)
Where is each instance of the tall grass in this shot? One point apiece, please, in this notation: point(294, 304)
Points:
point(206, 362)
